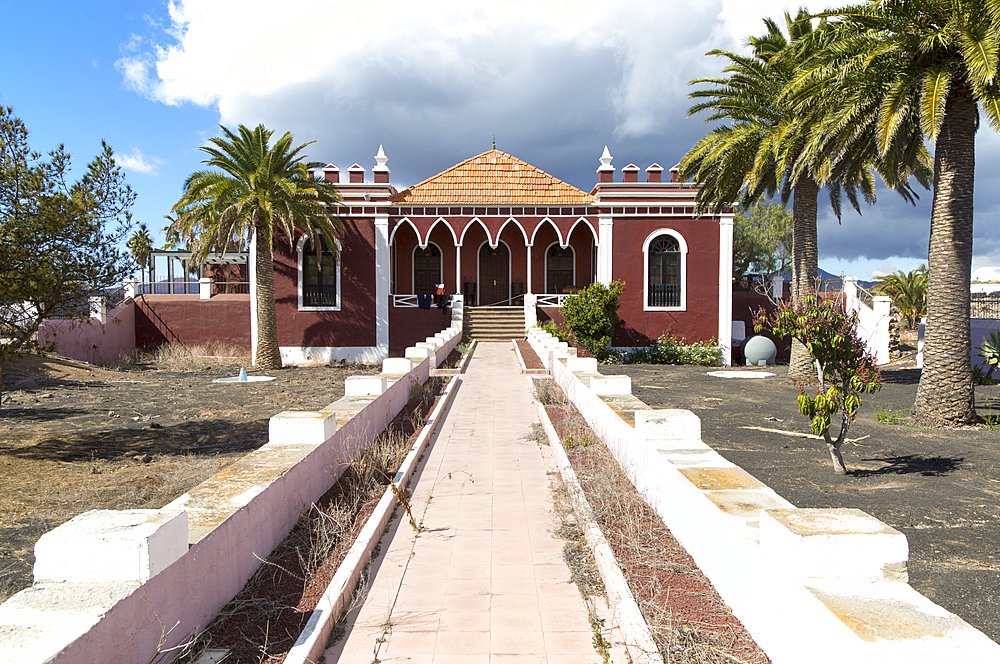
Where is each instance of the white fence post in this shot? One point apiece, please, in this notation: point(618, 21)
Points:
point(530, 310)
point(98, 309)
point(205, 288)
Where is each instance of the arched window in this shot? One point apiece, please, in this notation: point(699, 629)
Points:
point(559, 272)
point(319, 279)
point(426, 269)
point(665, 263)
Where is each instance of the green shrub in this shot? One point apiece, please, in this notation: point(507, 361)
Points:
point(592, 315)
point(670, 350)
point(990, 351)
point(555, 330)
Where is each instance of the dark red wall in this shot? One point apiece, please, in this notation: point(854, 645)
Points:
point(354, 324)
point(185, 319)
point(409, 325)
point(700, 320)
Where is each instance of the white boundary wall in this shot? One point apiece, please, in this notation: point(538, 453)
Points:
point(715, 509)
point(235, 520)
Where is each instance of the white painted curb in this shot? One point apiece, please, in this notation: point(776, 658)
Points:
point(638, 640)
point(309, 647)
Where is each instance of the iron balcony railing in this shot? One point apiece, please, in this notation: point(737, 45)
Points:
point(319, 295)
point(664, 295)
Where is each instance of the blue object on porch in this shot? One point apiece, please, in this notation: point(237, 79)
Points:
point(424, 301)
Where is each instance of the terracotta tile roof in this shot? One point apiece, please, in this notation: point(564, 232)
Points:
point(493, 178)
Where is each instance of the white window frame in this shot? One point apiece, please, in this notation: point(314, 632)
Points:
point(300, 248)
point(682, 244)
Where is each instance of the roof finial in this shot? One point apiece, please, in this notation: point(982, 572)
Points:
point(605, 161)
point(494, 141)
point(380, 160)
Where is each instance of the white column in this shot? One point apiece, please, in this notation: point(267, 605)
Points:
point(726, 287)
point(851, 299)
point(98, 309)
point(205, 288)
point(458, 269)
point(530, 310)
point(382, 284)
point(252, 270)
point(527, 289)
point(777, 286)
point(604, 258)
point(131, 287)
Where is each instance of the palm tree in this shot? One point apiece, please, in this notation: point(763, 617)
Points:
point(140, 245)
point(908, 291)
point(259, 189)
point(937, 60)
point(777, 146)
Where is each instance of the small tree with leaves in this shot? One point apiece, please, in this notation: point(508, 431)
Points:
point(59, 242)
point(592, 315)
point(844, 368)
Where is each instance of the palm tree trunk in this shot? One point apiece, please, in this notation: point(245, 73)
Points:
point(805, 267)
point(945, 394)
point(268, 353)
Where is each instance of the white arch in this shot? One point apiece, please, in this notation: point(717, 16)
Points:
point(512, 220)
point(299, 249)
point(682, 245)
point(534, 234)
point(403, 222)
point(439, 220)
point(585, 222)
point(472, 222)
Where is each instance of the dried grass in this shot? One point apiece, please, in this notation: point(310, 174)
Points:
point(178, 357)
point(636, 533)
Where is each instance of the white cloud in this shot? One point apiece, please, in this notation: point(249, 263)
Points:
point(433, 81)
point(137, 162)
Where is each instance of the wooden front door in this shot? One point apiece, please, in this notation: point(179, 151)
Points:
point(494, 274)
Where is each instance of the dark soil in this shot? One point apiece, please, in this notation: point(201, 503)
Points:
point(940, 487)
point(75, 437)
point(689, 620)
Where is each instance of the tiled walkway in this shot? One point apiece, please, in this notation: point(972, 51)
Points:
point(484, 581)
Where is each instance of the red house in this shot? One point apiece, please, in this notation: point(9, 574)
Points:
point(498, 231)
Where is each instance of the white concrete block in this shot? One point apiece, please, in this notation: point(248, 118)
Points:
point(665, 427)
point(611, 385)
point(588, 364)
point(417, 352)
point(111, 545)
point(396, 365)
point(293, 427)
point(834, 544)
point(434, 342)
point(364, 386)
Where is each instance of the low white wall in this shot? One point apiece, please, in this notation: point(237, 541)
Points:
point(715, 510)
point(256, 503)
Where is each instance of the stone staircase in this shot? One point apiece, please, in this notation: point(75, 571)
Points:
point(494, 323)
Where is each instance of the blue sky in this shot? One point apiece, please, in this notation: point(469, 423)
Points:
point(555, 81)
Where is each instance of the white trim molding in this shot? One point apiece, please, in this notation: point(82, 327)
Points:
point(299, 252)
point(299, 355)
point(604, 259)
point(682, 245)
point(382, 284)
point(726, 288)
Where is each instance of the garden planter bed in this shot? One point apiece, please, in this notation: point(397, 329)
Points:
point(262, 623)
point(688, 619)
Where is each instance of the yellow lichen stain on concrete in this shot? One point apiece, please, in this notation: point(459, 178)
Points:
point(746, 504)
point(887, 619)
point(721, 479)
